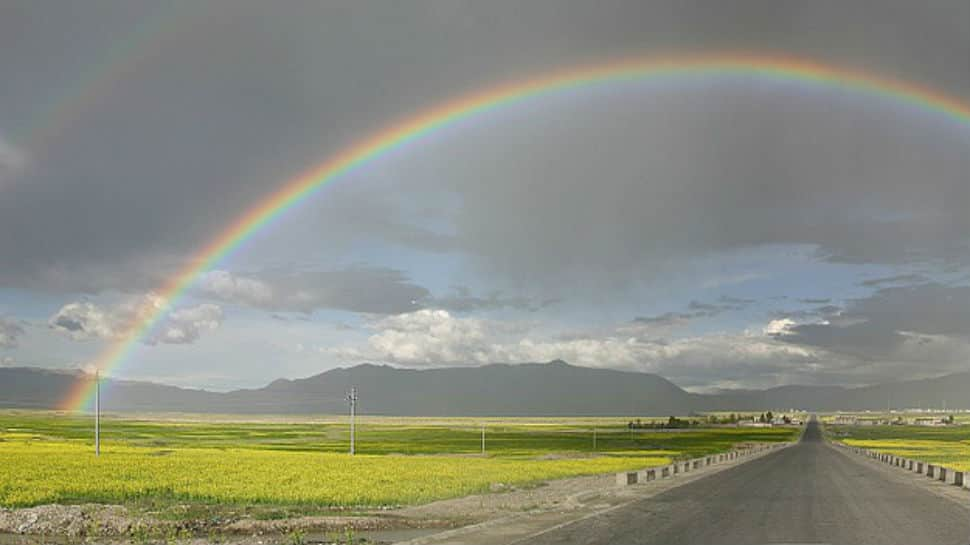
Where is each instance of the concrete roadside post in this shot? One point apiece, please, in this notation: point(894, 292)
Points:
point(627, 478)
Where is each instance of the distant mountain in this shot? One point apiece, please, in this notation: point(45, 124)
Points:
point(534, 389)
point(36, 388)
point(501, 390)
point(781, 397)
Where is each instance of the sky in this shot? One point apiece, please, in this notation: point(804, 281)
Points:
point(729, 235)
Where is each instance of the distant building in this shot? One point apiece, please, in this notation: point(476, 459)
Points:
point(929, 421)
point(754, 424)
point(846, 420)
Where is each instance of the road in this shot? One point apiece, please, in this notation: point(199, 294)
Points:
point(810, 492)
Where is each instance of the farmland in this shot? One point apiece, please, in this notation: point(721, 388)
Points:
point(47, 457)
point(948, 446)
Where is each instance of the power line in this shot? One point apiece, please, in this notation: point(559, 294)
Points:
point(97, 413)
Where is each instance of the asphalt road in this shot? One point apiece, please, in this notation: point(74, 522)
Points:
point(808, 493)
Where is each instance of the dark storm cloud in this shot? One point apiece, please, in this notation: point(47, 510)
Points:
point(774, 175)
point(585, 193)
point(705, 309)
point(896, 279)
point(67, 323)
point(738, 302)
point(238, 96)
point(723, 304)
point(12, 162)
point(666, 319)
point(696, 309)
point(927, 324)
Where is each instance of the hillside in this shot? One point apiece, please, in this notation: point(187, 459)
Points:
point(535, 389)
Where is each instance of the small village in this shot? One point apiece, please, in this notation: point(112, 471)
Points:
point(940, 420)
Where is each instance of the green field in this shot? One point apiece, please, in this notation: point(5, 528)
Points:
point(47, 457)
point(947, 446)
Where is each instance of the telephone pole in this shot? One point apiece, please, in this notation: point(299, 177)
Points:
point(352, 399)
point(483, 439)
point(97, 413)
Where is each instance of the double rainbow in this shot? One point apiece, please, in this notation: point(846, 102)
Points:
point(770, 67)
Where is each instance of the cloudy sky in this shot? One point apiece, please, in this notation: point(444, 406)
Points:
point(737, 234)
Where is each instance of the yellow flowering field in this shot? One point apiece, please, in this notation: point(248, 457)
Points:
point(38, 472)
point(946, 445)
point(954, 454)
point(47, 457)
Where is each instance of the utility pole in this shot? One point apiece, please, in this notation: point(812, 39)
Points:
point(352, 399)
point(594, 439)
point(483, 439)
point(97, 413)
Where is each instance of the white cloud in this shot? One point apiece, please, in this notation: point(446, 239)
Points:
point(781, 326)
point(374, 290)
point(230, 287)
point(10, 331)
point(84, 320)
point(430, 337)
point(438, 338)
point(185, 325)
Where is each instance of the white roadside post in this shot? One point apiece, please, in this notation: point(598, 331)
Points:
point(352, 399)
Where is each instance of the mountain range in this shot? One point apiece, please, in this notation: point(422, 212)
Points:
point(533, 389)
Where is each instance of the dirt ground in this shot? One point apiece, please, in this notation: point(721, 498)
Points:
point(82, 523)
point(561, 494)
point(76, 523)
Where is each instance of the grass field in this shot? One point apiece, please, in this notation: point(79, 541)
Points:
point(47, 457)
point(947, 446)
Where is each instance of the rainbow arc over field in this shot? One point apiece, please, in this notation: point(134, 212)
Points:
point(714, 66)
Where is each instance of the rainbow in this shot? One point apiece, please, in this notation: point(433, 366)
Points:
point(778, 68)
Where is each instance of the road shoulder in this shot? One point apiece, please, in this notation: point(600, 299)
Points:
point(957, 494)
point(581, 499)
